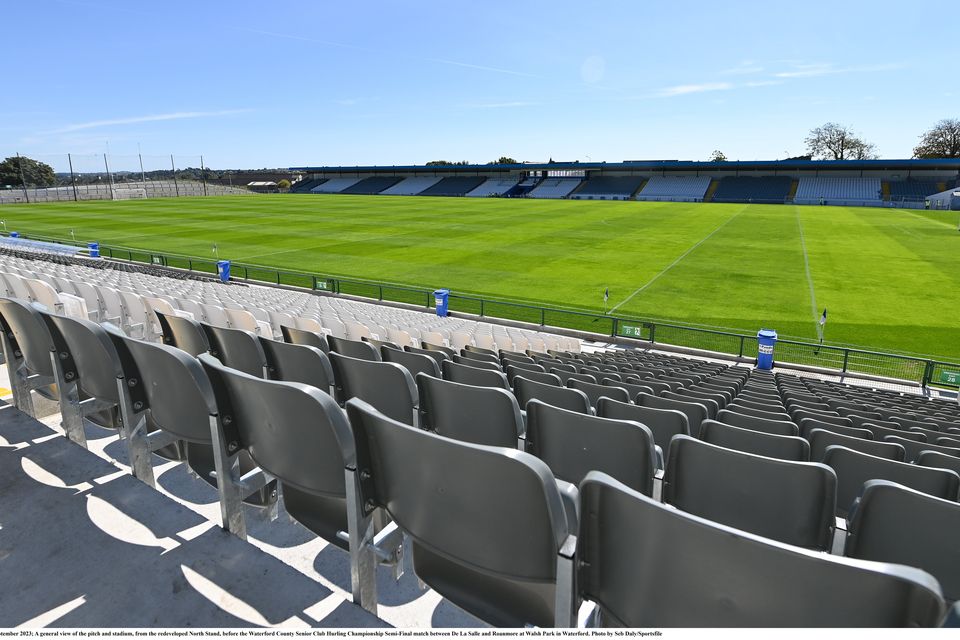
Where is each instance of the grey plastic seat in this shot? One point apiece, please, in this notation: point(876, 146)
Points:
point(565, 376)
point(238, 349)
point(480, 415)
point(475, 349)
point(469, 354)
point(299, 436)
point(879, 433)
point(428, 346)
point(854, 468)
point(820, 439)
point(937, 460)
point(930, 434)
point(809, 424)
point(479, 364)
point(526, 366)
point(742, 407)
point(832, 418)
point(570, 399)
point(913, 448)
point(183, 333)
point(696, 413)
point(379, 344)
point(171, 385)
point(353, 348)
point(713, 401)
point(413, 362)
point(892, 523)
point(537, 376)
point(793, 502)
point(465, 374)
point(572, 444)
point(309, 338)
point(663, 423)
point(763, 425)
point(27, 350)
point(486, 525)
point(631, 388)
point(907, 423)
point(298, 363)
point(439, 356)
point(597, 391)
point(756, 442)
point(649, 566)
point(386, 386)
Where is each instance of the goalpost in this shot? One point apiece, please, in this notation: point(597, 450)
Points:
point(129, 194)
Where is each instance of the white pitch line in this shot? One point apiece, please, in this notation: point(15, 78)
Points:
point(806, 267)
point(675, 262)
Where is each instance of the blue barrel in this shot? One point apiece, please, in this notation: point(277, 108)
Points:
point(14, 234)
point(442, 298)
point(766, 340)
point(223, 270)
point(94, 249)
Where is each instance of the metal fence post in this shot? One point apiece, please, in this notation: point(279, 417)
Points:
point(543, 316)
point(846, 358)
point(653, 332)
point(927, 374)
point(740, 355)
point(481, 307)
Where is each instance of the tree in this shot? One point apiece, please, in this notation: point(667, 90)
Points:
point(941, 141)
point(35, 174)
point(717, 156)
point(505, 160)
point(283, 185)
point(446, 163)
point(833, 141)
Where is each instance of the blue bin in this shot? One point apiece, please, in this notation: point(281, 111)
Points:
point(442, 299)
point(766, 340)
point(14, 234)
point(94, 249)
point(223, 270)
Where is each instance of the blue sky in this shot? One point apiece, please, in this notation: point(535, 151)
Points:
point(255, 84)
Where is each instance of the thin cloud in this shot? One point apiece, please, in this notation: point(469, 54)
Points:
point(742, 70)
point(502, 105)
point(159, 117)
point(815, 70)
point(763, 83)
point(685, 89)
point(344, 45)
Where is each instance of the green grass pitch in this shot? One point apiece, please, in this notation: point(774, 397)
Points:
point(889, 277)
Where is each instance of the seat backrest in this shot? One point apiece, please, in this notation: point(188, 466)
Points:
point(30, 334)
point(482, 356)
point(465, 374)
point(649, 566)
point(479, 364)
point(757, 442)
point(536, 376)
point(663, 423)
point(800, 414)
point(91, 353)
point(413, 362)
point(237, 348)
point(913, 448)
point(854, 468)
point(597, 391)
point(893, 523)
point(572, 444)
point(309, 338)
point(353, 348)
point(429, 346)
point(386, 386)
point(632, 388)
point(481, 415)
point(744, 421)
point(879, 433)
point(792, 502)
point(174, 386)
point(486, 523)
point(745, 408)
point(570, 399)
point(937, 460)
point(183, 333)
point(696, 413)
point(809, 424)
point(820, 439)
point(439, 356)
point(297, 363)
point(292, 430)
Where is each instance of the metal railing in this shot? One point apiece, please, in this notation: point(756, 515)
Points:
point(925, 371)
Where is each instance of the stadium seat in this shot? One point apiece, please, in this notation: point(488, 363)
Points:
point(384, 385)
point(854, 468)
point(480, 415)
point(298, 363)
point(413, 362)
point(696, 413)
point(353, 348)
point(783, 447)
point(597, 391)
point(563, 397)
point(299, 336)
point(649, 566)
point(494, 541)
point(775, 427)
point(238, 349)
point(820, 439)
point(792, 502)
point(465, 374)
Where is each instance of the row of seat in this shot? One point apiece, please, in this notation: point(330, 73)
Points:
point(490, 528)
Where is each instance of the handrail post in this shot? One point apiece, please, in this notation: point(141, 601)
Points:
point(740, 355)
point(542, 316)
point(846, 358)
point(615, 328)
point(481, 307)
point(927, 374)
